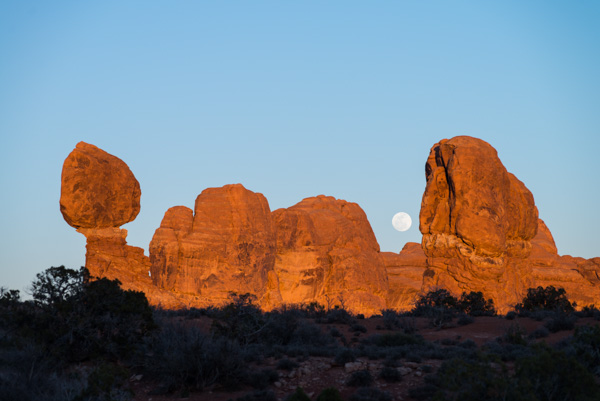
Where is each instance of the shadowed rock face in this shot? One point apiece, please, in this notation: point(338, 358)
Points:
point(97, 189)
point(327, 253)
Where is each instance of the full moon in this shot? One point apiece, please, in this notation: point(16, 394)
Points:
point(401, 221)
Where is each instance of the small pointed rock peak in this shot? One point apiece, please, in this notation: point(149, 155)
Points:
point(98, 190)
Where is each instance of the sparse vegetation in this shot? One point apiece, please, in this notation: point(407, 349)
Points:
point(83, 339)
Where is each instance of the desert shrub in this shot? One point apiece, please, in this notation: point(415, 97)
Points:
point(553, 375)
point(343, 356)
point(56, 286)
point(394, 339)
point(279, 327)
point(258, 395)
point(515, 334)
point(585, 347)
point(107, 382)
point(434, 300)
point(548, 298)
point(262, 378)
point(329, 394)
point(108, 321)
point(298, 395)
point(370, 394)
point(76, 318)
point(474, 304)
point(506, 351)
point(338, 315)
point(314, 310)
point(287, 364)
point(390, 319)
point(540, 332)
point(589, 311)
point(334, 332)
point(360, 378)
point(310, 334)
point(423, 392)
point(511, 315)
point(358, 328)
point(560, 321)
point(468, 380)
point(468, 344)
point(183, 359)
point(390, 375)
point(28, 373)
point(240, 320)
point(464, 319)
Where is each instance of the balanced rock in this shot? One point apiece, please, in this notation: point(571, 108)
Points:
point(227, 245)
point(97, 189)
point(405, 275)
point(327, 253)
point(98, 194)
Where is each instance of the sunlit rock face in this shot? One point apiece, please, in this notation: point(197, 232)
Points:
point(99, 193)
point(226, 245)
point(405, 275)
point(479, 226)
point(578, 276)
point(327, 253)
point(97, 189)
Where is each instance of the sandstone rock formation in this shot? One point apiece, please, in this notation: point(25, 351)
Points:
point(479, 226)
point(97, 189)
point(405, 275)
point(327, 253)
point(98, 194)
point(226, 245)
point(578, 276)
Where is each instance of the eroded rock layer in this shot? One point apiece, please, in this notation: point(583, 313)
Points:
point(327, 253)
point(479, 226)
point(226, 245)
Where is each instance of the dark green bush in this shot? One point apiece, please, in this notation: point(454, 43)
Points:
point(560, 321)
point(360, 378)
point(258, 395)
point(298, 395)
point(262, 378)
point(343, 356)
point(394, 339)
point(553, 375)
point(474, 304)
point(330, 394)
point(390, 375)
point(464, 320)
point(370, 394)
point(287, 364)
point(549, 299)
point(585, 347)
point(182, 358)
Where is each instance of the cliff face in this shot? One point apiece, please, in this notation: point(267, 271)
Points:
point(480, 228)
point(98, 194)
point(327, 253)
point(226, 245)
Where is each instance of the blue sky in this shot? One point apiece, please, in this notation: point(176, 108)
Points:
point(292, 99)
